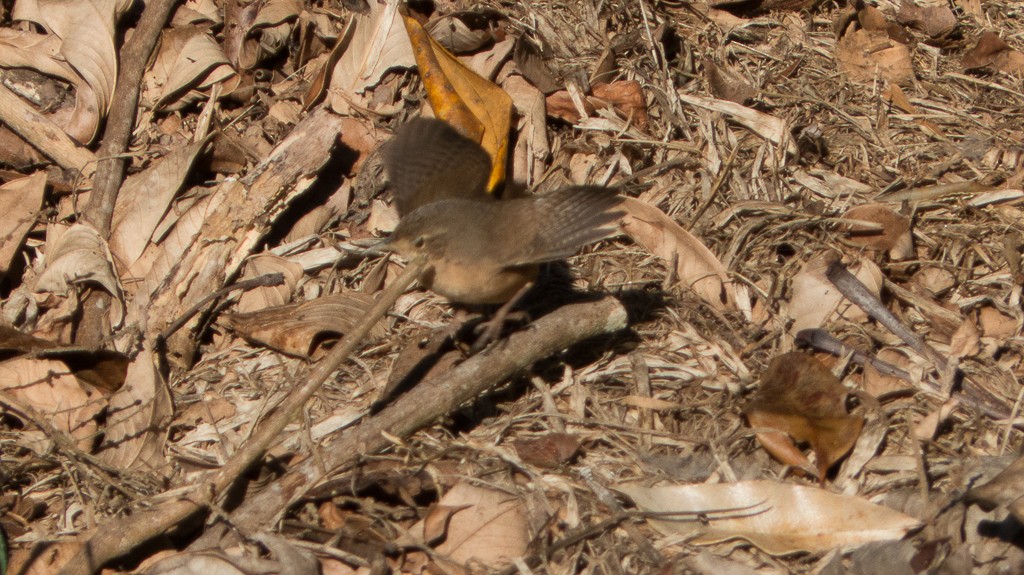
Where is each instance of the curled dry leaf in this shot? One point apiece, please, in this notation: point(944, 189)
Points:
point(815, 300)
point(996, 325)
point(725, 84)
point(625, 96)
point(992, 52)
point(891, 231)
point(377, 43)
point(268, 296)
point(799, 399)
point(696, 266)
point(87, 31)
point(49, 388)
point(473, 105)
point(467, 31)
point(937, 21)
point(79, 255)
point(141, 413)
point(295, 329)
point(870, 47)
point(1003, 489)
point(485, 526)
point(189, 61)
point(268, 33)
point(778, 518)
point(548, 451)
point(771, 128)
point(21, 198)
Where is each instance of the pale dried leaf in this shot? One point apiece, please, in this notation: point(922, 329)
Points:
point(51, 390)
point(696, 266)
point(87, 30)
point(815, 300)
point(779, 518)
point(22, 199)
point(268, 296)
point(79, 255)
point(379, 43)
point(144, 199)
point(865, 55)
point(141, 412)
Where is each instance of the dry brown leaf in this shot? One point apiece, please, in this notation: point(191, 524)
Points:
point(1003, 489)
point(626, 96)
point(696, 266)
point(815, 301)
point(189, 61)
point(548, 451)
point(801, 398)
point(144, 199)
point(295, 329)
point(892, 233)
point(778, 518)
point(878, 384)
point(488, 527)
point(49, 388)
point(46, 558)
point(87, 32)
point(378, 43)
point(468, 30)
point(100, 368)
point(725, 84)
point(769, 127)
point(77, 256)
point(22, 200)
point(992, 52)
point(937, 21)
point(473, 105)
point(996, 325)
point(966, 341)
point(268, 32)
point(140, 414)
point(867, 53)
point(264, 297)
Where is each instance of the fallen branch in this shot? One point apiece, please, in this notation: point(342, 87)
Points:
point(125, 534)
point(428, 401)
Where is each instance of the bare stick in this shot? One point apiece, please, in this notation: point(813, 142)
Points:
point(112, 541)
point(858, 293)
point(430, 400)
point(43, 134)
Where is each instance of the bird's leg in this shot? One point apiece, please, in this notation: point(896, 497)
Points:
point(492, 328)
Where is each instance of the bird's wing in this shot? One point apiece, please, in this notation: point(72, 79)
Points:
point(562, 222)
point(428, 160)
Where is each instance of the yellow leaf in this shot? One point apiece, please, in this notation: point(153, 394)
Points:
point(473, 105)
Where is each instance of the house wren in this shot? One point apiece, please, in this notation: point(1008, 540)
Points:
point(479, 250)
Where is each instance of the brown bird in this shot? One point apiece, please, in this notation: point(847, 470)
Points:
point(478, 250)
point(428, 160)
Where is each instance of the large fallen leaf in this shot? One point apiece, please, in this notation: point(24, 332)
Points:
point(101, 368)
point(799, 399)
point(890, 232)
point(778, 518)
point(1006, 488)
point(189, 60)
point(815, 300)
point(268, 33)
point(144, 199)
point(771, 128)
point(49, 388)
point(87, 32)
point(295, 329)
point(264, 297)
point(473, 105)
point(21, 198)
point(78, 256)
point(993, 52)
point(696, 266)
point(139, 415)
point(477, 524)
point(865, 54)
point(377, 43)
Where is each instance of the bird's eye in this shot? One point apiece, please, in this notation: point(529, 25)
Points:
point(420, 241)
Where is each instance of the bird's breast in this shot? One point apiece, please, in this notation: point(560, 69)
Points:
point(478, 283)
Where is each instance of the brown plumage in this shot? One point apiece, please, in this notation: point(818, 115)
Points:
point(478, 250)
point(428, 160)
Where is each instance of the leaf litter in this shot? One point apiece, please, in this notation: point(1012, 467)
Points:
point(760, 145)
